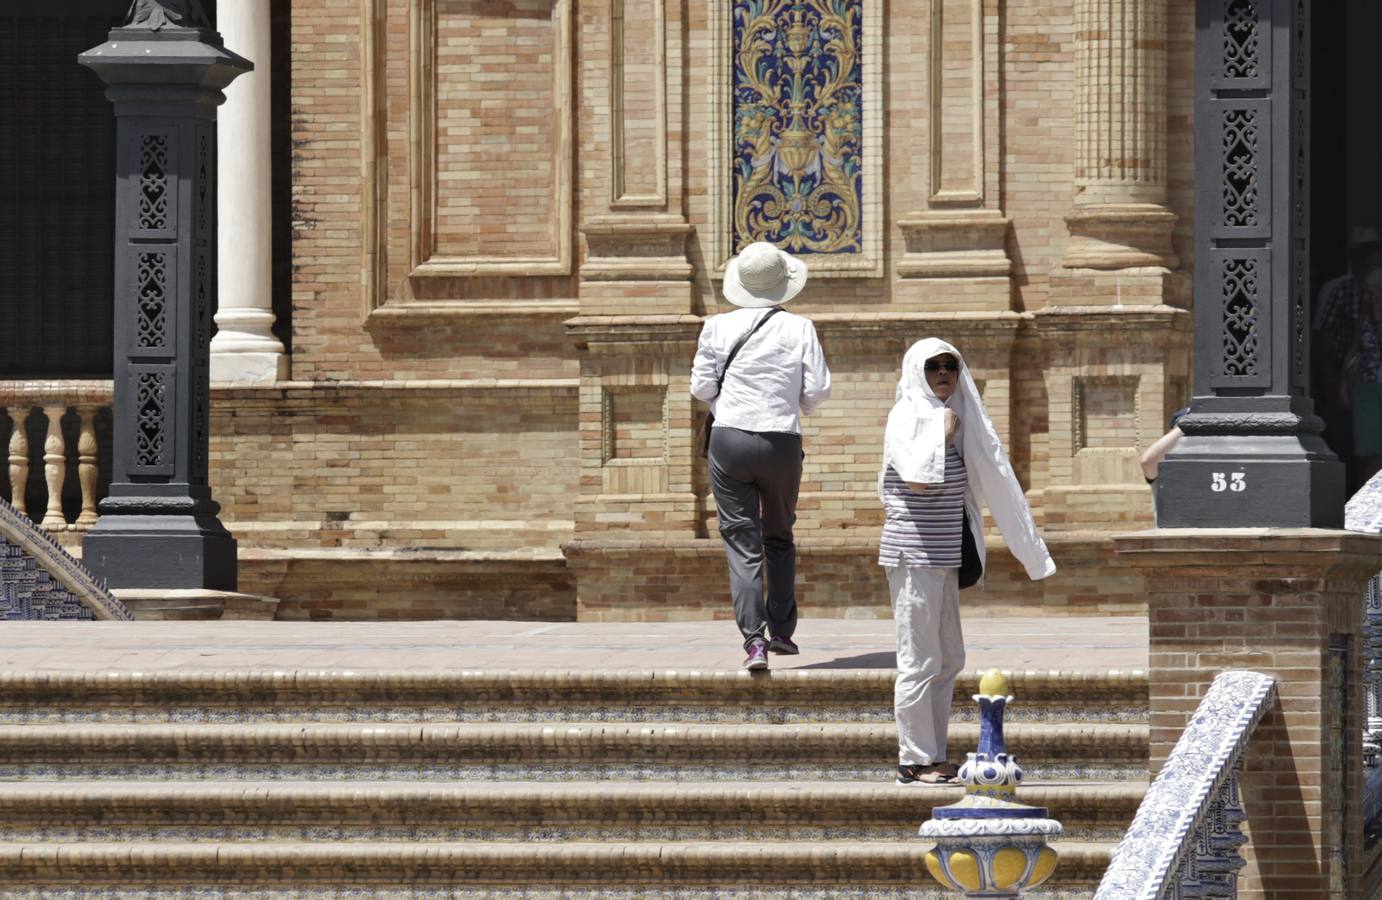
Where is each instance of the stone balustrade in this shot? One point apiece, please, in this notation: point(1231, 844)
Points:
point(1185, 838)
point(51, 402)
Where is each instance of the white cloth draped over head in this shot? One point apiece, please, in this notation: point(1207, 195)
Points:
point(914, 445)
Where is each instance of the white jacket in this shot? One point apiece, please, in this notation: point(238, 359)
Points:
point(914, 445)
point(779, 372)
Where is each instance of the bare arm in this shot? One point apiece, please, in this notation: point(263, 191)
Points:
point(1151, 460)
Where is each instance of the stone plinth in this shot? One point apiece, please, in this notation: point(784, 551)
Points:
point(196, 604)
point(1287, 603)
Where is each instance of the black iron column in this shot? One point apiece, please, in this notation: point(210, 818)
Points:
point(1253, 454)
point(164, 71)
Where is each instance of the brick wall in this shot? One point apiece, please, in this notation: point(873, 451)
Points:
point(439, 210)
point(659, 580)
point(430, 464)
point(1287, 603)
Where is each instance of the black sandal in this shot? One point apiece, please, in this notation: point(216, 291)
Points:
point(927, 775)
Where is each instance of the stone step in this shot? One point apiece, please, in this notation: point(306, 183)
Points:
point(817, 869)
point(779, 696)
point(525, 811)
point(521, 751)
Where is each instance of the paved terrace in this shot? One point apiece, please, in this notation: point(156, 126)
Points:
point(1034, 643)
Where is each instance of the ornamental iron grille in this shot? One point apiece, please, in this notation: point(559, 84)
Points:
point(152, 306)
point(150, 436)
point(153, 336)
point(153, 183)
point(1372, 616)
point(1242, 150)
point(1300, 203)
point(1242, 39)
point(1255, 111)
point(797, 166)
point(1243, 312)
point(201, 309)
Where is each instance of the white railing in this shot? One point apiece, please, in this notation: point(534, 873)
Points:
point(1184, 840)
point(52, 400)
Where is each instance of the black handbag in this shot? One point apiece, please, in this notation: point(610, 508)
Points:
point(971, 569)
point(703, 435)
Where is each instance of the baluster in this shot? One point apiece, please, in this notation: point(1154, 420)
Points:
point(87, 470)
point(54, 468)
point(19, 455)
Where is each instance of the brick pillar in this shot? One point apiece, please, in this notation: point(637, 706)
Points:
point(1288, 603)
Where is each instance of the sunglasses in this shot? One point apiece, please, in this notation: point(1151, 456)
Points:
point(942, 366)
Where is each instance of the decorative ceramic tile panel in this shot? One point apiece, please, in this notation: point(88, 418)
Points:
point(1363, 512)
point(798, 174)
point(40, 580)
point(1185, 834)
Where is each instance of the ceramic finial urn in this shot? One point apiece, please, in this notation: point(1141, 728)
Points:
point(989, 844)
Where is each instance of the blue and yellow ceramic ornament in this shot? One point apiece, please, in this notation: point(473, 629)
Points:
point(988, 844)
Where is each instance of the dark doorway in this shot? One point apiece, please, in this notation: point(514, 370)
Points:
point(57, 187)
point(1346, 193)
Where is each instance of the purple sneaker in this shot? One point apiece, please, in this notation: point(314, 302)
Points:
point(784, 646)
point(757, 660)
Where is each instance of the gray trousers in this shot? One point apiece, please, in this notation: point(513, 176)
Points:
point(755, 477)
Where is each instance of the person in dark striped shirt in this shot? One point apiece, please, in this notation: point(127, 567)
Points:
point(941, 461)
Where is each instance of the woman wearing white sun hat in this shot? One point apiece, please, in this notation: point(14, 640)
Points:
point(760, 369)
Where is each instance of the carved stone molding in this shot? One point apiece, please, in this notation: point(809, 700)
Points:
point(968, 243)
point(1120, 236)
point(637, 248)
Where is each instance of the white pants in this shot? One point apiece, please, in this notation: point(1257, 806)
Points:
point(930, 656)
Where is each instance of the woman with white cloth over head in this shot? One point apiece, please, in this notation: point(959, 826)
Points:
point(942, 461)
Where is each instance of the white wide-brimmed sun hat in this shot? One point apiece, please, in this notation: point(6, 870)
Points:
point(762, 275)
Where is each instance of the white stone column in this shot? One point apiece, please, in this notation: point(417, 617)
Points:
point(244, 348)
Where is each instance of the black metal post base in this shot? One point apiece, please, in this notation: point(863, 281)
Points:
point(162, 552)
point(1251, 481)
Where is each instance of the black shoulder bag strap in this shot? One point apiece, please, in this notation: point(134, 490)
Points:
point(703, 438)
point(734, 351)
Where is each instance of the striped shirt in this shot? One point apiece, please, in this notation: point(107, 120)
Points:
point(924, 529)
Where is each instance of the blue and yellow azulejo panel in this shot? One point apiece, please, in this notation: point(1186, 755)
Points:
point(798, 125)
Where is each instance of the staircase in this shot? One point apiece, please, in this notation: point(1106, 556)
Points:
point(682, 784)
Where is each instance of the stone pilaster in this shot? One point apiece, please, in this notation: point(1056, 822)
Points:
point(955, 240)
point(1120, 220)
point(1113, 377)
point(1287, 603)
point(636, 425)
point(636, 330)
point(635, 229)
